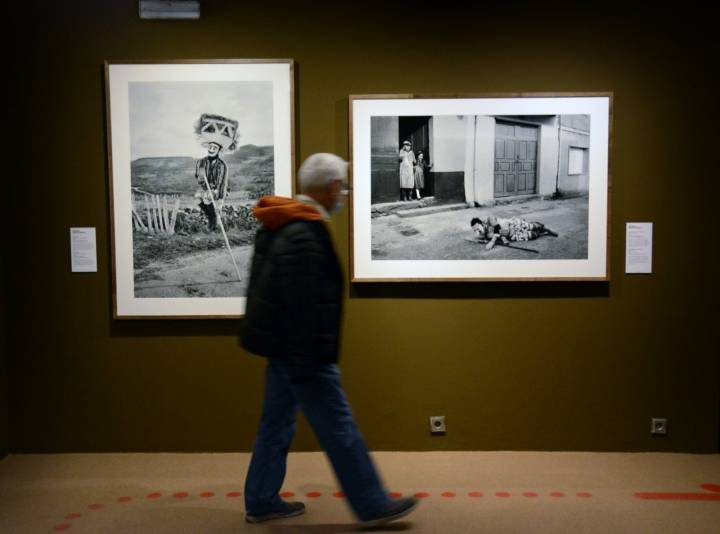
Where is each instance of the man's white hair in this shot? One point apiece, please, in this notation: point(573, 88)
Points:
point(319, 170)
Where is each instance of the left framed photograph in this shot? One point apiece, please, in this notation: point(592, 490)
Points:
point(192, 146)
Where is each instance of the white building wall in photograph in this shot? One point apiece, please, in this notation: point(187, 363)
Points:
point(470, 160)
point(480, 160)
point(574, 140)
point(447, 134)
point(548, 155)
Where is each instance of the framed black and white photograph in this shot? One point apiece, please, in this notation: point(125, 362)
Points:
point(480, 188)
point(193, 145)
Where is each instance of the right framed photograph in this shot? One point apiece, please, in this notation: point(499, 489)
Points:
point(502, 187)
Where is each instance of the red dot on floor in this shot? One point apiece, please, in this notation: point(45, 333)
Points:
point(180, 494)
point(448, 494)
point(314, 494)
point(96, 506)
point(207, 494)
point(422, 495)
point(530, 494)
point(124, 499)
point(584, 494)
point(396, 495)
point(234, 494)
point(475, 494)
point(339, 494)
point(711, 487)
point(557, 494)
point(64, 526)
point(503, 494)
point(73, 516)
point(155, 495)
point(287, 494)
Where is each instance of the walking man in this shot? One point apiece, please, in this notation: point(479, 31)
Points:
point(293, 318)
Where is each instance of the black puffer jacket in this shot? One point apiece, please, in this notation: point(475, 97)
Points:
point(294, 301)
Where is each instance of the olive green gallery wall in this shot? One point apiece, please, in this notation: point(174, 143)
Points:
point(521, 366)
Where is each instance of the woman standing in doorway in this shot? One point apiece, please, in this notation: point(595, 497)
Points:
point(420, 167)
point(407, 179)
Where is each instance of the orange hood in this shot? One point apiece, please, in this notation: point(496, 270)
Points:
point(276, 212)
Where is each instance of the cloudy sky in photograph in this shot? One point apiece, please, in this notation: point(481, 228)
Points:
point(163, 115)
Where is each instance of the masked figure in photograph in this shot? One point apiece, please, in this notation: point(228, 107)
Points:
point(217, 134)
point(407, 179)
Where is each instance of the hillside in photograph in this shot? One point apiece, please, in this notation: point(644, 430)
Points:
point(250, 168)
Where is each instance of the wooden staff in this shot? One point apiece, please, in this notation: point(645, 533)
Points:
point(222, 227)
point(481, 242)
point(519, 248)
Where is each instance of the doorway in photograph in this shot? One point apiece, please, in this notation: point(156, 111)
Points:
point(417, 131)
point(515, 159)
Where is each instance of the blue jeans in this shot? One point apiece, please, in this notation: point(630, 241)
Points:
point(318, 392)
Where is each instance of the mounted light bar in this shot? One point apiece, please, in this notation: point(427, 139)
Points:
point(169, 9)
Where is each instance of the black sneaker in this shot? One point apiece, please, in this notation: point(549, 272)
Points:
point(287, 509)
point(398, 509)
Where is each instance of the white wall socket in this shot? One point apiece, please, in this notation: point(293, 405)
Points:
point(658, 426)
point(437, 424)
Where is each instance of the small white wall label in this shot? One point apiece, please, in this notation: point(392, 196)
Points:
point(83, 250)
point(638, 247)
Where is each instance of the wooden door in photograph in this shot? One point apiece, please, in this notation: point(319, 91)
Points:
point(420, 140)
point(384, 167)
point(515, 159)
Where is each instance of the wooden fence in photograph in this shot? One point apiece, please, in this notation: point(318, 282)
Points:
point(154, 214)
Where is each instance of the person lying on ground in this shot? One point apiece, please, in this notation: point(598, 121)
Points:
point(492, 228)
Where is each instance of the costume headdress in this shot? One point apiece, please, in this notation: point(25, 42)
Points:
point(216, 129)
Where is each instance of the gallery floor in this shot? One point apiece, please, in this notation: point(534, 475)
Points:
point(461, 492)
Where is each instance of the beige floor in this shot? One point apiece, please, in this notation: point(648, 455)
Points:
point(199, 493)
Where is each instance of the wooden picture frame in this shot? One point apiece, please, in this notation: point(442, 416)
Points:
point(524, 166)
point(192, 144)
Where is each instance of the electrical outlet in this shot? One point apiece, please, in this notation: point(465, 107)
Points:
point(437, 424)
point(658, 426)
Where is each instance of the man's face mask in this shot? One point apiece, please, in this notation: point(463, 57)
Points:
point(344, 191)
